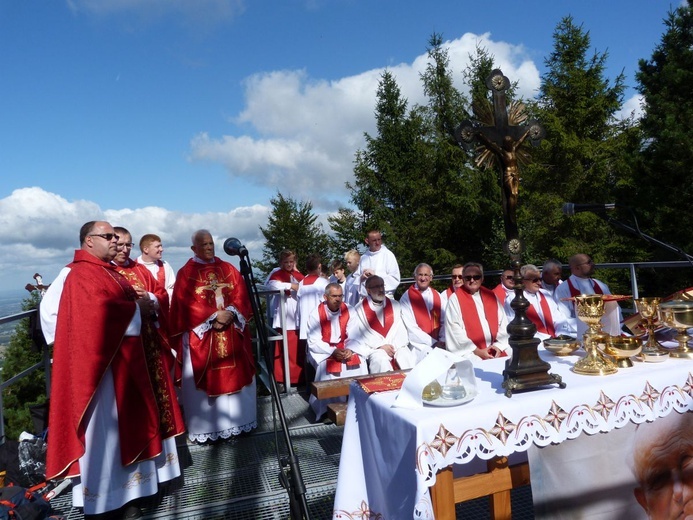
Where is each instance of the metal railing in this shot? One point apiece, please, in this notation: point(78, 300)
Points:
point(273, 335)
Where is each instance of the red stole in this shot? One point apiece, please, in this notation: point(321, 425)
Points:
point(373, 320)
point(281, 275)
point(310, 279)
point(161, 273)
point(94, 313)
point(470, 316)
point(333, 366)
point(449, 291)
point(428, 322)
point(500, 292)
point(574, 292)
point(546, 326)
point(222, 360)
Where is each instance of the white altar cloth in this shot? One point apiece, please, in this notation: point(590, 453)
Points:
point(390, 456)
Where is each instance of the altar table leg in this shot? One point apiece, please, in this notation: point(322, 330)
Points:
point(443, 495)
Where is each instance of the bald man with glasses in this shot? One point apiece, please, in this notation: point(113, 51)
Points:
point(111, 419)
point(475, 322)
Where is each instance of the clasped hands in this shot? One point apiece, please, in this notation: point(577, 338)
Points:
point(342, 355)
point(223, 320)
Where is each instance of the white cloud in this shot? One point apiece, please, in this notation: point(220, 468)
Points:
point(631, 107)
point(41, 231)
point(305, 131)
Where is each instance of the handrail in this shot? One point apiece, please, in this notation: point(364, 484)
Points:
point(263, 291)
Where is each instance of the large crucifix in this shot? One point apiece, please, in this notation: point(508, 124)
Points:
point(500, 133)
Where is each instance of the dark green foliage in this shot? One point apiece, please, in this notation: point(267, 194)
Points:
point(292, 225)
point(663, 184)
point(28, 391)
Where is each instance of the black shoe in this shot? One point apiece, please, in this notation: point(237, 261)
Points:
point(131, 512)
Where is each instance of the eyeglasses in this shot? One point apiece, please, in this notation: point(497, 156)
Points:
point(424, 275)
point(376, 286)
point(106, 236)
point(533, 280)
point(470, 277)
point(127, 245)
point(509, 277)
point(588, 262)
point(456, 276)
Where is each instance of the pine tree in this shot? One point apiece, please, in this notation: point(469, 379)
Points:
point(292, 225)
point(664, 184)
point(31, 389)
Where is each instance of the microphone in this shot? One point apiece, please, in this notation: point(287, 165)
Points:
point(233, 247)
point(571, 209)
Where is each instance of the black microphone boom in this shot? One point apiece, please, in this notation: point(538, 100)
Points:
point(571, 209)
point(233, 247)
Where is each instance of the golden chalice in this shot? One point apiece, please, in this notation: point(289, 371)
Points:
point(652, 350)
point(678, 314)
point(589, 310)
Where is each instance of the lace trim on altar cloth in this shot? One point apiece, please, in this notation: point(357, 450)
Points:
point(224, 434)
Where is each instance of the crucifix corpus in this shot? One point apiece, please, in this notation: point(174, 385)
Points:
point(498, 135)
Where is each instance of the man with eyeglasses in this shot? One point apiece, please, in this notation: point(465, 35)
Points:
point(106, 422)
point(377, 332)
point(456, 281)
point(423, 313)
point(581, 282)
point(475, 322)
point(543, 310)
point(506, 285)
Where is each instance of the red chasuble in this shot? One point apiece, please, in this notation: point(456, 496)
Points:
point(222, 361)
point(333, 366)
point(427, 321)
point(160, 359)
point(470, 316)
point(533, 315)
point(95, 310)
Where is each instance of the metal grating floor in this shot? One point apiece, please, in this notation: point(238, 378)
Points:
point(239, 479)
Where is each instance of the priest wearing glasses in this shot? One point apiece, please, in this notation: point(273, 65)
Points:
point(475, 322)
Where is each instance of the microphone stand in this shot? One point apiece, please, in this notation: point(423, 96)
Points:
point(290, 476)
point(636, 231)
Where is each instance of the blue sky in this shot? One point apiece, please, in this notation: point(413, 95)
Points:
point(167, 116)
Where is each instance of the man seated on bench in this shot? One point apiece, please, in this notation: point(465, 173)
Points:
point(377, 332)
point(327, 332)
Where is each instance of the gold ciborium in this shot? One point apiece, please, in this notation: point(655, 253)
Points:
point(652, 351)
point(678, 314)
point(622, 349)
point(589, 310)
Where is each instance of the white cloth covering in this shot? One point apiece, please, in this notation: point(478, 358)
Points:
point(211, 418)
point(384, 264)
point(421, 342)
point(456, 339)
point(308, 298)
point(365, 341)
point(318, 353)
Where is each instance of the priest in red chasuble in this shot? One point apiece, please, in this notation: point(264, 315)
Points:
point(107, 428)
point(475, 322)
point(423, 312)
point(208, 326)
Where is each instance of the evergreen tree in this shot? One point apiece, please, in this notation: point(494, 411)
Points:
point(31, 389)
point(346, 232)
point(582, 158)
point(292, 225)
point(664, 180)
